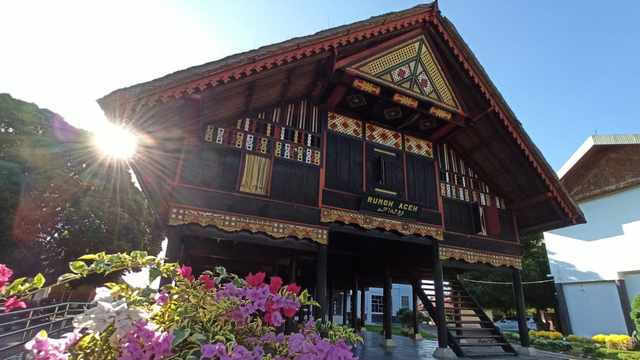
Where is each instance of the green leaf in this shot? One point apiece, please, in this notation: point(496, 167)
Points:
point(67, 276)
point(88, 257)
point(153, 274)
point(38, 281)
point(77, 266)
point(237, 282)
point(199, 338)
point(184, 312)
point(221, 270)
point(180, 334)
point(15, 285)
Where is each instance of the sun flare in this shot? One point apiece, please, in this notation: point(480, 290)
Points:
point(115, 141)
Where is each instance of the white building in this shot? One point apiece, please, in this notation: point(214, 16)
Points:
point(401, 297)
point(596, 266)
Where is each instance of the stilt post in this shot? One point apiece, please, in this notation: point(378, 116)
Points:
point(321, 281)
point(439, 289)
point(521, 310)
point(416, 317)
point(354, 303)
point(362, 305)
point(174, 242)
point(331, 301)
point(344, 307)
point(288, 326)
point(387, 301)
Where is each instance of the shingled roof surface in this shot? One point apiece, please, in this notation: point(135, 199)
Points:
point(229, 62)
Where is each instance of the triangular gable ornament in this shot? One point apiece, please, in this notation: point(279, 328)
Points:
point(412, 68)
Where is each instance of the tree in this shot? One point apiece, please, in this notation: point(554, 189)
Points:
point(59, 198)
point(535, 267)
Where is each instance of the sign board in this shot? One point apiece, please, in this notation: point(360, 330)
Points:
point(381, 205)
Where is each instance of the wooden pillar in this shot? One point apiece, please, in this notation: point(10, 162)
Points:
point(416, 324)
point(321, 281)
point(331, 301)
point(362, 305)
point(344, 307)
point(439, 289)
point(288, 326)
point(520, 309)
point(174, 242)
point(386, 302)
point(354, 303)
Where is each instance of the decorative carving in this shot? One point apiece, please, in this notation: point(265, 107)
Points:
point(426, 124)
point(392, 113)
point(366, 86)
point(232, 223)
point(405, 100)
point(344, 124)
point(356, 100)
point(410, 67)
point(473, 256)
point(384, 136)
point(418, 146)
point(443, 114)
point(373, 222)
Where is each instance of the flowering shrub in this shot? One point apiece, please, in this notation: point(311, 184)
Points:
point(575, 338)
point(216, 316)
point(553, 335)
point(613, 341)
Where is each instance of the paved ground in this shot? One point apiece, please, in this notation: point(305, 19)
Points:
point(409, 349)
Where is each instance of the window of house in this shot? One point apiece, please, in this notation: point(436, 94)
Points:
point(376, 304)
point(405, 302)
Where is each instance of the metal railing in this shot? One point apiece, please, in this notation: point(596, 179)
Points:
point(19, 327)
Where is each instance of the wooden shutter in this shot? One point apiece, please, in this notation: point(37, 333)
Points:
point(343, 170)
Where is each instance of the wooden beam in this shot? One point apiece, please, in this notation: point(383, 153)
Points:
point(287, 85)
point(479, 116)
point(483, 143)
point(440, 133)
point(252, 95)
point(340, 89)
point(411, 120)
point(531, 201)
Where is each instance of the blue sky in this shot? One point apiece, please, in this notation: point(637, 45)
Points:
point(567, 68)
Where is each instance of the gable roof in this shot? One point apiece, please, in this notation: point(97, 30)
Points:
point(514, 162)
point(603, 164)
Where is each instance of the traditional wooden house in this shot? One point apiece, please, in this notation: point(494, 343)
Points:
point(373, 152)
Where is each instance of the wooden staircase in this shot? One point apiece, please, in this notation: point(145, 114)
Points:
point(470, 332)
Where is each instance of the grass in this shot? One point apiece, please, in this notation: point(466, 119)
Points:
point(396, 331)
point(605, 353)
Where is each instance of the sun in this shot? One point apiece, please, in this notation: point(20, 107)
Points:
point(115, 141)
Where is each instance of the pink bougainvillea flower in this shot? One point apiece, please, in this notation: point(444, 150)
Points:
point(5, 273)
point(214, 350)
point(290, 312)
point(162, 298)
point(255, 280)
point(275, 285)
point(208, 283)
point(185, 271)
point(13, 303)
point(293, 288)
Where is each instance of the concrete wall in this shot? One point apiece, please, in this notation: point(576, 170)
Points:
point(594, 308)
point(587, 259)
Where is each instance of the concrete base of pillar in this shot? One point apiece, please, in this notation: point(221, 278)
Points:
point(445, 353)
point(388, 343)
point(528, 351)
point(416, 337)
point(363, 329)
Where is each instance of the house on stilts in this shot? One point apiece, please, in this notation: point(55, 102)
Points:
point(364, 155)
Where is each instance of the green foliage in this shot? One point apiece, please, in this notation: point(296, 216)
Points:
point(500, 296)
point(629, 356)
point(406, 318)
point(406, 331)
point(635, 312)
point(401, 311)
point(349, 322)
point(59, 199)
point(194, 314)
point(512, 337)
point(558, 345)
point(589, 350)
